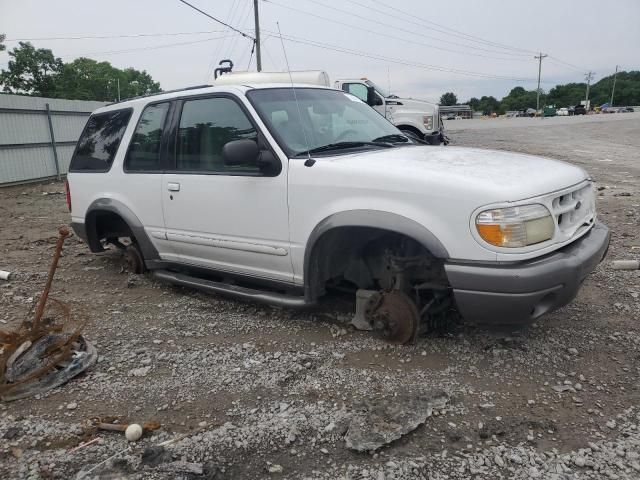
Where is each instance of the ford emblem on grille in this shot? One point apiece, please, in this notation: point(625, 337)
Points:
point(578, 205)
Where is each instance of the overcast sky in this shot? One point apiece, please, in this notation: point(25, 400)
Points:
point(421, 48)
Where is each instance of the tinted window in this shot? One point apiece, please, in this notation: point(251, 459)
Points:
point(206, 125)
point(99, 141)
point(144, 149)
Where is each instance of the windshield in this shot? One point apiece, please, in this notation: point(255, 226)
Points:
point(322, 120)
point(382, 91)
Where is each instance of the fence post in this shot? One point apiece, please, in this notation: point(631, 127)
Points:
point(53, 142)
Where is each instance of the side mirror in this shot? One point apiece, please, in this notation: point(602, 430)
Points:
point(373, 98)
point(240, 152)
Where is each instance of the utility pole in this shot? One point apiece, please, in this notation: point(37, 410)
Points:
point(257, 40)
point(614, 85)
point(539, 58)
point(118, 88)
point(588, 77)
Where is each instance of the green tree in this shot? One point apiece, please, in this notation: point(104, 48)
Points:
point(87, 79)
point(448, 98)
point(567, 95)
point(31, 71)
point(474, 103)
point(2, 46)
point(489, 105)
point(519, 99)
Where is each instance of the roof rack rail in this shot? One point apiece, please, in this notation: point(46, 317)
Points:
point(194, 87)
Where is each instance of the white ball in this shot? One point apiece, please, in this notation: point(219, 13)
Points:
point(133, 432)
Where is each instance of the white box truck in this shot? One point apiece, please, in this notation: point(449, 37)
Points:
point(416, 118)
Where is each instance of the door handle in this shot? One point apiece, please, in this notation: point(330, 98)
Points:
point(173, 187)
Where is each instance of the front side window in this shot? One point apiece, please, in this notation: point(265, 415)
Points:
point(322, 121)
point(99, 142)
point(357, 89)
point(206, 125)
point(144, 149)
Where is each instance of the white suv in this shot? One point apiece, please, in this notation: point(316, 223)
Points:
point(279, 194)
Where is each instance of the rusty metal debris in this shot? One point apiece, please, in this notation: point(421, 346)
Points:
point(47, 351)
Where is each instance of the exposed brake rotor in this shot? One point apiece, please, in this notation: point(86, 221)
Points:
point(396, 317)
point(133, 260)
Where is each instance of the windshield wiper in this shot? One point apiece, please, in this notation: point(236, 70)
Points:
point(394, 137)
point(344, 145)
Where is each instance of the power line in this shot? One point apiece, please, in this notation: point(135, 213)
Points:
point(385, 35)
point(153, 47)
point(359, 53)
point(217, 20)
point(455, 33)
point(100, 37)
point(220, 48)
point(411, 32)
point(562, 62)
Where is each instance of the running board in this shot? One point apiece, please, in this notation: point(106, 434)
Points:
point(232, 290)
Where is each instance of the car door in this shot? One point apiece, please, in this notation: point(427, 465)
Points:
point(226, 218)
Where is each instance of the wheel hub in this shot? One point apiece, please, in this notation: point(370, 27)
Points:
point(396, 318)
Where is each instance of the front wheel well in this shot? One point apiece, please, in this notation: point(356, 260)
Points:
point(412, 129)
point(369, 258)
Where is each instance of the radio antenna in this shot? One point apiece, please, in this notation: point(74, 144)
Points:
point(304, 134)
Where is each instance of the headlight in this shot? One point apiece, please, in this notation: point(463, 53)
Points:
point(428, 122)
point(515, 226)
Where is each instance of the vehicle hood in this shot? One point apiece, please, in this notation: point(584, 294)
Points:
point(409, 104)
point(491, 175)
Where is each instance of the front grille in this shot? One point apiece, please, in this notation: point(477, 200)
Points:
point(574, 211)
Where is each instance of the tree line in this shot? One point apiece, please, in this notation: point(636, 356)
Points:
point(627, 92)
point(38, 72)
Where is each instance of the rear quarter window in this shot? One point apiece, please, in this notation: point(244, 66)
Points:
point(99, 142)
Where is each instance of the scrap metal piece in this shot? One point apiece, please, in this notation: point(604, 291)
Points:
point(44, 353)
point(63, 232)
point(396, 318)
point(384, 420)
point(82, 359)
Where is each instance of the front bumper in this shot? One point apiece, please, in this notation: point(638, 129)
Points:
point(511, 293)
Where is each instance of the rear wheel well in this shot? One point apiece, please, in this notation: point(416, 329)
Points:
point(364, 257)
point(107, 226)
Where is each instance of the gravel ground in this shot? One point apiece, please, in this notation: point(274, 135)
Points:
point(253, 391)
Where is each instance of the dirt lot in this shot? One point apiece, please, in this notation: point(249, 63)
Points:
point(262, 392)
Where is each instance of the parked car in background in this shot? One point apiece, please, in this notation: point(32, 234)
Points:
point(531, 112)
point(579, 110)
point(549, 111)
point(562, 112)
point(451, 116)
